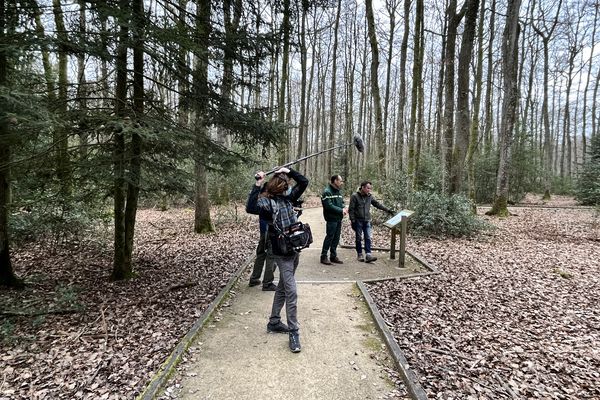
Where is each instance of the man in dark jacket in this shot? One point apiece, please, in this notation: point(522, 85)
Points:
point(360, 218)
point(333, 211)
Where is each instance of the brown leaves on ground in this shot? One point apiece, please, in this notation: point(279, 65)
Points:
point(114, 335)
point(514, 313)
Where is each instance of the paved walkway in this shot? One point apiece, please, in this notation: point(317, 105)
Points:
point(343, 356)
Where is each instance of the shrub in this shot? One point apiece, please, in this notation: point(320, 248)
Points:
point(588, 184)
point(438, 214)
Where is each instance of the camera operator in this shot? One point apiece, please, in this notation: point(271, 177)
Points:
point(274, 205)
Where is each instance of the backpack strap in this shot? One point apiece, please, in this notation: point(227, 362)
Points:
point(274, 214)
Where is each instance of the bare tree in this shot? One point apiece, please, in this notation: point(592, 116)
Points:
point(510, 63)
point(545, 34)
point(474, 133)
point(587, 84)
point(402, 88)
point(379, 133)
point(332, 93)
point(463, 116)
point(453, 19)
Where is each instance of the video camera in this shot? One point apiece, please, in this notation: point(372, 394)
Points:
point(298, 207)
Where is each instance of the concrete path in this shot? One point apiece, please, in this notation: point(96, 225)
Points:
point(343, 356)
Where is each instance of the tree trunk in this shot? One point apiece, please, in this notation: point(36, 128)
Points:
point(48, 74)
point(60, 140)
point(391, 6)
point(487, 130)
point(7, 275)
point(415, 93)
point(332, 93)
point(135, 157)
point(81, 87)
point(302, 134)
point(474, 133)
point(510, 63)
point(120, 270)
point(379, 133)
point(402, 89)
point(463, 115)
point(285, 28)
point(453, 21)
point(439, 108)
point(594, 103)
point(202, 222)
point(546, 34)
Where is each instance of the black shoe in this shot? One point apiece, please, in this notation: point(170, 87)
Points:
point(254, 283)
point(325, 261)
point(271, 287)
point(279, 327)
point(370, 258)
point(295, 342)
point(336, 260)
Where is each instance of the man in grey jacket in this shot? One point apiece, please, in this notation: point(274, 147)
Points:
point(360, 217)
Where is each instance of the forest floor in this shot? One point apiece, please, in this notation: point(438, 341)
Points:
point(73, 334)
point(514, 312)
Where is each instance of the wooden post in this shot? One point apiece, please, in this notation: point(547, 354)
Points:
point(393, 245)
point(403, 223)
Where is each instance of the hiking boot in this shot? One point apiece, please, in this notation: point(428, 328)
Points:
point(361, 258)
point(254, 282)
point(279, 327)
point(294, 342)
point(370, 258)
point(271, 287)
point(325, 261)
point(336, 260)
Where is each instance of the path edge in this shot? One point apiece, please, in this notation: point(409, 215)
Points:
point(157, 382)
point(409, 377)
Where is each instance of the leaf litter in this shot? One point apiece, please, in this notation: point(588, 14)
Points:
point(113, 335)
point(513, 314)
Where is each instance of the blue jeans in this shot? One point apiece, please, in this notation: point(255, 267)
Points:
point(333, 231)
point(363, 228)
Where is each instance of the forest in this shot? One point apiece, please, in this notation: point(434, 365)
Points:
point(114, 111)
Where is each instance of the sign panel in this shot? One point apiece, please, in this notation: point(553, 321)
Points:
point(396, 219)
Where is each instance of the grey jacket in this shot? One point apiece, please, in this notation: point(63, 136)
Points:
point(360, 207)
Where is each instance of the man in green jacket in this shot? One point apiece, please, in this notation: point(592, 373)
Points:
point(360, 218)
point(333, 211)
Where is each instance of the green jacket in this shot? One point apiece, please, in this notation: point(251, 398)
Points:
point(333, 204)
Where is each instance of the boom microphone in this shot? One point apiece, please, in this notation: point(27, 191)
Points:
point(357, 142)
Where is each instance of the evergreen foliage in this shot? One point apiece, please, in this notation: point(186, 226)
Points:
point(439, 214)
point(588, 184)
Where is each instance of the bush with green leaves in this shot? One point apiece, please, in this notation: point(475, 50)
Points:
point(438, 214)
point(588, 184)
point(430, 175)
point(395, 189)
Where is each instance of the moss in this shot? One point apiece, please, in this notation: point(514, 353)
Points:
point(546, 195)
point(372, 343)
point(563, 274)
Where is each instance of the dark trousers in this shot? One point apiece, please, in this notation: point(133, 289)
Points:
point(333, 232)
point(286, 293)
point(263, 260)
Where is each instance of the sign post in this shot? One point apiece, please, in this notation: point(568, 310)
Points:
point(401, 220)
